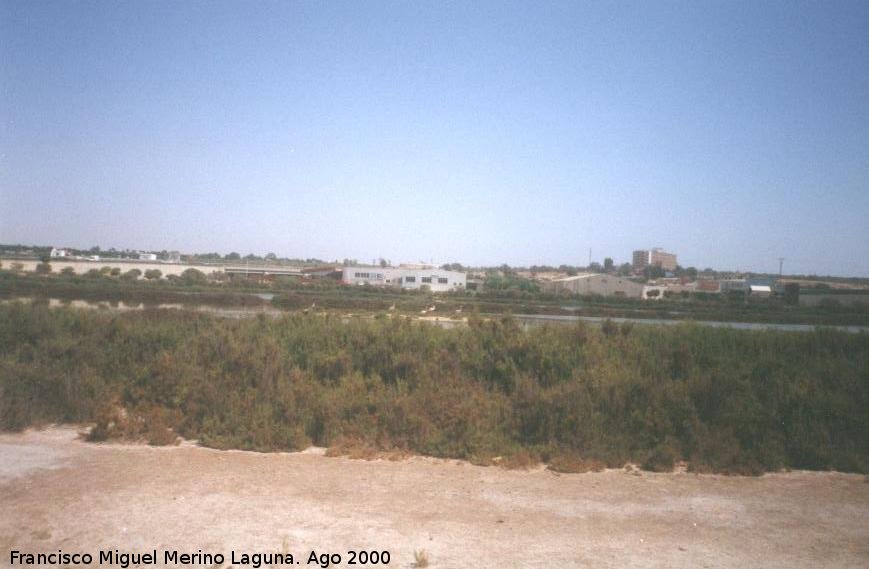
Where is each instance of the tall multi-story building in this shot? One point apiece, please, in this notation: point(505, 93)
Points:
point(640, 260)
point(654, 257)
point(666, 261)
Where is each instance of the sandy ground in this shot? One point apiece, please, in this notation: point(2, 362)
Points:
point(57, 492)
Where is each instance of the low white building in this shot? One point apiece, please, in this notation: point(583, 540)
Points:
point(596, 284)
point(58, 253)
point(410, 277)
point(147, 257)
point(758, 290)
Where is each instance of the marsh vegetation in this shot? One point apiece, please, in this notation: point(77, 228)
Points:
point(723, 400)
point(298, 294)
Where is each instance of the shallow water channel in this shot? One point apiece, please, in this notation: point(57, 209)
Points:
point(526, 320)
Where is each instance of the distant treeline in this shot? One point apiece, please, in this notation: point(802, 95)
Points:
point(723, 400)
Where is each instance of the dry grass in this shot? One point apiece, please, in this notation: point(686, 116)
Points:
point(117, 423)
point(420, 558)
point(483, 459)
point(571, 463)
point(359, 449)
point(521, 460)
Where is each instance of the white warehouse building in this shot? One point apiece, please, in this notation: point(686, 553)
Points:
point(602, 285)
point(410, 277)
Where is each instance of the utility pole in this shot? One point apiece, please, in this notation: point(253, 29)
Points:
point(781, 261)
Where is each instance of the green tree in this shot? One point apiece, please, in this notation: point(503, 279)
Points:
point(131, 275)
point(608, 265)
point(43, 268)
point(233, 257)
point(193, 276)
point(67, 271)
point(115, 272)
point(792, 294)
point(153, 274)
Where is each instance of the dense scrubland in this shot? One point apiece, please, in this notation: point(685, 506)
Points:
point(723, 400)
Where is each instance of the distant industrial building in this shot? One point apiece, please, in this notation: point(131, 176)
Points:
point(475, 284)
point(761, 287)
point(707, 285)
point(409, 277)
point(323, 271)
point(732, 285)
point(761, 291)
point(653, 258)
point(756, 287)
point(261, 273)
point(595, 284)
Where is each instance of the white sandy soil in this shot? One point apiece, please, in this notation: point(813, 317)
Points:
point(58, 492)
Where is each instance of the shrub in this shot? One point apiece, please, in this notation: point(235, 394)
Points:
point(572, 463)
point(193, 276)
point(420, 558)
point(577, 396)
point(519, 460)
point(661, 459)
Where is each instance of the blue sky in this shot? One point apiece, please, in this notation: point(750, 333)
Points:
point(732, 133)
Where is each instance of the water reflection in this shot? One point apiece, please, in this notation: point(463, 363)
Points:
point(525, 320)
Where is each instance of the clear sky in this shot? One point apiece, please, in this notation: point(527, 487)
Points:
point(731, 133)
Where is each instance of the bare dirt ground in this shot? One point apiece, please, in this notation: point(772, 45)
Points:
point(57, 492)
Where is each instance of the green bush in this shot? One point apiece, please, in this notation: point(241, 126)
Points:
point(724, 400)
